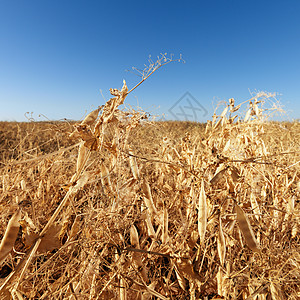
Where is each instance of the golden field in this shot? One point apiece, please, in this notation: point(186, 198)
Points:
point(118, 207)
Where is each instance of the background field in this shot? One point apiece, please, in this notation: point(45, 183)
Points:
point(150, 210)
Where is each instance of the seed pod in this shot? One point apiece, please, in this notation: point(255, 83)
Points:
point(81, 159)
point(148, 198)
point(180, 278)
point(224, 112)
point(276, 291)
point(134, 237)
point(220, 282)
point(218, 176)
point(122, 289)
point(295, 230)
point(256, 110)
point(5, 179)
point(75, 228)
point(227, 145)
point(123, 93)
point(248, 115)
point(137, 257)
point(23, 185)
point(91, 117)
point(235, 174)
point(150, 228)
point(224, 121)
point(40, 189)
point(246, 229)
point(164, 236)
point(217, 124)
point(255, 206)
point(208, 126)
point(133, 166)
point(10, 235)
point(221, 243)
point(202, 214)
point(105, 176)
point(81, 181)
point(235, 108)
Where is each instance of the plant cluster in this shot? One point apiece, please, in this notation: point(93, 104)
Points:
point(131, 209)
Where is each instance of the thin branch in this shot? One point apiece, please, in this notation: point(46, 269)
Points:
point(163, 60)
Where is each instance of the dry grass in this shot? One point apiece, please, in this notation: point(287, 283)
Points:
point(129, 209)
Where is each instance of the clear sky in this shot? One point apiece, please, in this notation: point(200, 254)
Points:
point(56, 55)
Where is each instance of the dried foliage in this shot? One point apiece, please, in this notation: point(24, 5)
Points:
point(122, 208)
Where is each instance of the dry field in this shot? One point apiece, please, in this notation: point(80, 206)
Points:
point(118, 207)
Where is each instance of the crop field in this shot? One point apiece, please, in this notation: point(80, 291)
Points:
point(120, 207)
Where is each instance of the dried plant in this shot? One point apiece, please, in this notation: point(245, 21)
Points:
point(118, 207)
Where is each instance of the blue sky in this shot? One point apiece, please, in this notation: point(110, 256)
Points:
point(55, 56)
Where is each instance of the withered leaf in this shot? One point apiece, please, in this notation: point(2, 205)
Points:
point(50, 240)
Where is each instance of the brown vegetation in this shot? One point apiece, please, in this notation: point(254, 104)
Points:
point(116, 207)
